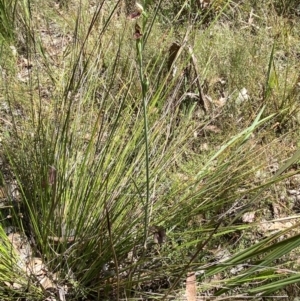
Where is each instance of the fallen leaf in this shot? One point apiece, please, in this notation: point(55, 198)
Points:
point(191, 287)
point(36, 267)
point(46, 283)
point(242, 96)
point(248, 217)
point(213, 128)
point(173, 50)
point(268, 228)
point(17, 285)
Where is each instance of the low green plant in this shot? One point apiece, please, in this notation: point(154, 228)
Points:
point(7, 14)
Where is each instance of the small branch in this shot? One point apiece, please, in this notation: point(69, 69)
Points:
point(201, 94)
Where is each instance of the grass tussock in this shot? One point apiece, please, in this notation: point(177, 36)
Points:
point(144, 143)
